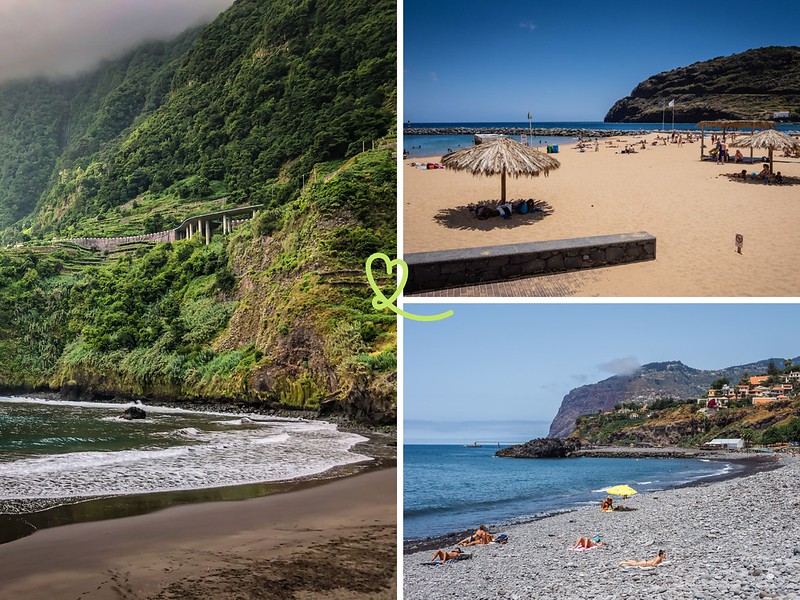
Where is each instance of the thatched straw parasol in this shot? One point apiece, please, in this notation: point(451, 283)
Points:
point(500, 157)
point(770, 139)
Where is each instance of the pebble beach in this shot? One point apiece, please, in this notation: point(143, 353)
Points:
point(736, 538)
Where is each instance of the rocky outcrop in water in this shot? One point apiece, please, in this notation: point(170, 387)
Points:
point(541, 448)
point(133, 412)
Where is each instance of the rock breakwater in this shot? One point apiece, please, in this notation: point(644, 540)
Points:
point(539, 132)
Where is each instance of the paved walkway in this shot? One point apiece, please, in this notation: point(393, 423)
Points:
point(557, 285)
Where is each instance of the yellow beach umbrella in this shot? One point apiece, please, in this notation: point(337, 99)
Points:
point(622, 490)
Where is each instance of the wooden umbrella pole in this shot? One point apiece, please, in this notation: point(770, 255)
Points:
point(503, 188)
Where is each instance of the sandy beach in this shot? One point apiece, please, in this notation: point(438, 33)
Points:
point(694, 212)
point(729, 539)
point(325, 540)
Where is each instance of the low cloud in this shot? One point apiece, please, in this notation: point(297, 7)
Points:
point(626, 365)
point(433, 76)
point(65, 37)
point(529, 25)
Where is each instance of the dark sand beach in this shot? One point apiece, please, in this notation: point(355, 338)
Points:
point(333, 539)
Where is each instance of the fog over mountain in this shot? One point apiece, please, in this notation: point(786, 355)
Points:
point(64, 37)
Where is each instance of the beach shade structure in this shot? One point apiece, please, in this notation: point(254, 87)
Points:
point(769, 139)
point(502, 156)
point(621, 490)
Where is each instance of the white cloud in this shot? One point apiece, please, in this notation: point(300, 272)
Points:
point(64, 37)
point(529, 25)
point(626, 365)
point(433, 76)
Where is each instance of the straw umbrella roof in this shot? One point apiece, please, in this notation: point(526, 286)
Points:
point(502, 156)
point(769, 139)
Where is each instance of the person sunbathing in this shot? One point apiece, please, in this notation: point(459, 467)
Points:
point(445, 556)
point(740, 175)
point(607, 504)
point(585, 542)
point(653, 562)
point(480, 537)
point(739, 157)
point(764, 174)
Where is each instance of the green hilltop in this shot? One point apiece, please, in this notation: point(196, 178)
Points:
point(286, 105)
point(749, 85)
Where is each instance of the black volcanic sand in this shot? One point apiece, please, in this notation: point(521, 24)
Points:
point(749, 465)
point(380, 446)
point(333, 540)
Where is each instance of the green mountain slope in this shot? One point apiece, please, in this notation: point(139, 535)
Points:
point(244, 108)
point(277, 104)
point(749, 85)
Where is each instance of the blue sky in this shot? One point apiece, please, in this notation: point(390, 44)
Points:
point(474, 60)
point(499, 371)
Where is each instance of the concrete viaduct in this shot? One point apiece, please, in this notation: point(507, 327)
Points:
point(205, 225)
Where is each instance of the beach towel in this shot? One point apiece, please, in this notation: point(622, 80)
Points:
point(431, 563)
point(583, 549)
point(501, 539)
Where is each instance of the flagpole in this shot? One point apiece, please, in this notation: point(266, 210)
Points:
point(530, 130)
point(673, 116)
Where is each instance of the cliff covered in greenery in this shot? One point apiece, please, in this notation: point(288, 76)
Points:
point(277, 104)
point(749, 85)
point(277, 313)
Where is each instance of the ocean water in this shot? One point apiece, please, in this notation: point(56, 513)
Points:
point(438, 145)
point(55, 454)
point(452, 488)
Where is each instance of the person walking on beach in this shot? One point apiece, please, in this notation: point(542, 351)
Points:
point(445, 556)
point(653, 562)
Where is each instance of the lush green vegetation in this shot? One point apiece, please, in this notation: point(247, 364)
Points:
point(273, 104)
point(279, 318)
point(246, 109)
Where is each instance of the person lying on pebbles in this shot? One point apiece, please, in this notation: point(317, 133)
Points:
point(445, 556)
point(645, 563)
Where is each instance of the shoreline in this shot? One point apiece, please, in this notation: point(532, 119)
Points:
point(725, 539)
point(750, 466)
point(380, 446)
point(334, 539)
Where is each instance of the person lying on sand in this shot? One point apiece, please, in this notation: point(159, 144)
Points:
point(645, 563)
point(445, 556)
point(740, 175)
point(481, 536)
point(585, 542)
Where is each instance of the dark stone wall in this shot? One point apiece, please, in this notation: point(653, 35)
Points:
point(450, 268)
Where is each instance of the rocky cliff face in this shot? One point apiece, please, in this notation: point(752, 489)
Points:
point(650, 382)
point(752, 84)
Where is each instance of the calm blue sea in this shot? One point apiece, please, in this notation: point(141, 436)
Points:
point(437, 145)
point(452, 488)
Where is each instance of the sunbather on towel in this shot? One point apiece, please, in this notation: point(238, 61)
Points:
point(645, 563)
point(480, 537)
point(445, 556)
point(585, 542)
